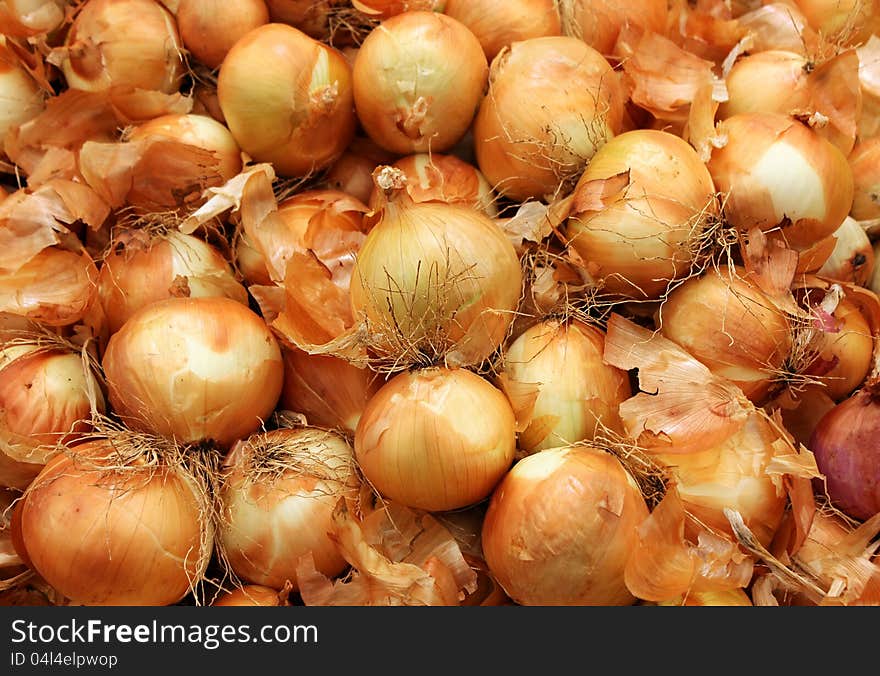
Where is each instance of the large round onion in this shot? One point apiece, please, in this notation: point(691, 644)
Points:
point(123, 43)
point(280, 489)
point(418, 79)
point(209, 28)
point(107, 532)
point(560, 528)
point(848, 455)
point(640, 213)
point(533, 137)
point(561, 389)
point(195, 369)
point(296, 113)
point(421, 442)
point(434, 280)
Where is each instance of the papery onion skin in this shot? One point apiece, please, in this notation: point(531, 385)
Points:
point(418, 79)
point(298, 114)
point(848, 455)
point(127, 43)
point(280, 489)
point(729, 325)
point(778, 173)
point(637, 243)
point(852, 260)
point(577, 393)
point(195, 369)
point(533, 139)
point(560, 527)
point(847, 22)
point(419, 443)
point(20, 96)
point(599, 22)
point(107, 537)
point(209, 28)
point(519, 20)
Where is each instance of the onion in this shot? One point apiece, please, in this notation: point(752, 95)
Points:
point(561, 390)
point(727, 323)
point(640, 213)
point(123, 43)
point(122, 521)
point(599, 22)
point(252, 595)
point(418, 79)
point(48, 394)
point(25, 18)
point(144, 265)
point(445, 178)
point(309, 16)
point(777, 173)
point(195, 369)
point(852, 259)
point(845, 22)
point(209, 28)
point(519, 20)
point(329, 391)
point(532, 138)
point(352, 173)
point(279, 491)
point(869, 78)
point(385, 9)
point(434, 280)
point(21, 98)
point(297, 113)
point(728, 597)
point(419, 443)
point(560, 527)
point(200, 131)
point(864, 161)
point(845, 445)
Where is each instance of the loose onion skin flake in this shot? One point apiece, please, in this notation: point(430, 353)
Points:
point(560, 527)
point(195, 369)
point(599, 22)
point(418, 442)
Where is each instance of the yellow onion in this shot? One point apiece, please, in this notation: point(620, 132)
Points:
point(776, 25)
point(24, 18)
point(864, 161)
point(123, 43)
point(434, 280)
point(118, 522)
point(200, 131)
point(47, 395)
point(846, 22)
point(418, 79)
point(727, 323)
point(728, 597)
point(142, 266)
point(518, 20)
point(296, 114)
point(777, 173)
point(561, 390)
point(279, 491)
point(420, 443)
point(352, 173)
point(852, 259)
point(640, 212)
point(869, 79)
point(309, 16)
point(599, 22)
point(552, 103)
point(195, 369)
point(209, 28)
point(252, 595)
point(329, 391)
point(21, 98)
point(446, 178)
point(560, 527)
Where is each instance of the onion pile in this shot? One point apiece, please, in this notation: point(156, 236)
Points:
point(387, 302)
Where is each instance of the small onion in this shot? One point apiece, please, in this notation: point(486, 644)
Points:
point(142, 266)
point(560, 388)
point(519, 20)
point(298, 114)
point(420, 443)
point(200, 131)
point(848, 455)
point(533, 136)
point(418, 79)
point(352, 173)
point(434, 279)
point(195, 369)
point(106, 532)
point(209, 28)
point(777, 173)
point(560, 528)
point(280, 489)
point(445, 178)
point(640, 211)
point(599, 22)
point(123, 43)
point(728, 324)
point(21, 98)
point(864, 160)
point(852, 259)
